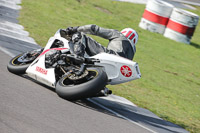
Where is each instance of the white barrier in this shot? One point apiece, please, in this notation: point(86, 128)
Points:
point(181, 25)
point(156, 16)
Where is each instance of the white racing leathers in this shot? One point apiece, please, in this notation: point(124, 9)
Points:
point(118, 43)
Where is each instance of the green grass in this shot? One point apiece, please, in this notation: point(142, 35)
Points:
point(170, 83)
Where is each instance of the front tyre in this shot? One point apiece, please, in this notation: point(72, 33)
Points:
point(21, 62)
point(15, 67)
point(72, 89)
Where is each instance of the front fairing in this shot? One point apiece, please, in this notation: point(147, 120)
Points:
point(57, 36)
point(37, 69)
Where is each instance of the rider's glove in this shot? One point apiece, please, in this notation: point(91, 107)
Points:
point(71, 30)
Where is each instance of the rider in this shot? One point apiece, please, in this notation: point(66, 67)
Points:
point(120, 43)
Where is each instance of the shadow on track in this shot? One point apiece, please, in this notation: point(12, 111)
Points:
point(135, 114)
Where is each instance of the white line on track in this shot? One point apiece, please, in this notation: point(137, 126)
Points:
point(21, 38)
point(119, 115)
point(6, 51)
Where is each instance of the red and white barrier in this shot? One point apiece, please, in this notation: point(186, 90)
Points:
point(181, 25)
point(156, 16)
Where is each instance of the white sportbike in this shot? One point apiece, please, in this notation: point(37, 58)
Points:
point(72, 76)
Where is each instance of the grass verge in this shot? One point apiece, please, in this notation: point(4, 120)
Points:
point(170, 83)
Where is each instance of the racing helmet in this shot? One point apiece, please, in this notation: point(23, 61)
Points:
point(131, 35)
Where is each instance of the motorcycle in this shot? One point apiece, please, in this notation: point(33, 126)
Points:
point(72, 76)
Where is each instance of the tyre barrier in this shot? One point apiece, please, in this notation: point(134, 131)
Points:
point(181, 25)
point(156, 16)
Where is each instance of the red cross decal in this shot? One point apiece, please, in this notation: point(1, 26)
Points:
point(126, 71)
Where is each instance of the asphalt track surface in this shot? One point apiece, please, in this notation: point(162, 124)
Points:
point(29, 107)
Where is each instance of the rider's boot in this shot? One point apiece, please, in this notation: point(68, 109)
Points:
point(104, 92)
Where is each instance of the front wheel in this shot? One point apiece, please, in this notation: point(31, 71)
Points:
point(72, 88)
point(21, 62)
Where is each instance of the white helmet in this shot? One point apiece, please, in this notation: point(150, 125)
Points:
point(131, 35)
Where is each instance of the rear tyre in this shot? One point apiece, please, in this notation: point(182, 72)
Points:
point(85, 87)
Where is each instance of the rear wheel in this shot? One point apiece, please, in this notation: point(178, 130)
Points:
point(87, 85)
point(21, 62)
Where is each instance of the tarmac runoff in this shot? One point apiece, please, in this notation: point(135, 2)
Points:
point(177, 3)
point(14, 40)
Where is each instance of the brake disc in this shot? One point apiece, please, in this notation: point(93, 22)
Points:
point(75, 77)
